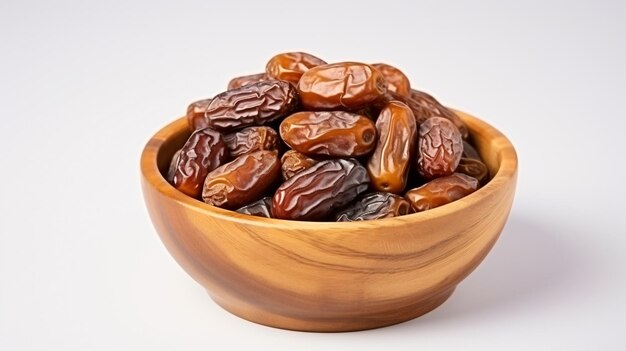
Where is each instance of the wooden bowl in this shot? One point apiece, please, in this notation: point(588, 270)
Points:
point(327, 276)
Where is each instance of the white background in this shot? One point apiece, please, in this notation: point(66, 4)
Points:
point(83, 85)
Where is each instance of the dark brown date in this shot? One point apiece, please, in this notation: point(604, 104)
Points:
point(474, 168)
point(389, 165)
point(293, 162)
point(238, 82)
point(437, 109)
point(204, 151)
point(195, 112)
point(242, 181)
point(375, 206)
point(259, 208)
point(315, 193)
point(397, 81)
point(290, 66)
point(469, 151)
point(344, 85)
point(172, 168)
point(252, 104)
point(332, 133)
point(441, 191)
point(439, 148)
point(251, 139)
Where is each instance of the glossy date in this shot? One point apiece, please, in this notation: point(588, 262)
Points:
point(290, 66)
point(437, 109)
point(251, 139)
point(242, 181)
point(331, 133)
point(344, 85)
point(439, 148)
point(293, 162)
point(195, 113)
point(474, 168)
point(259, 208)
point(204, 151)
point(441, 191)
point(389, 164)
point(252, 104)
point(375, 206)
point(317, 192)
point(397, 81)
point(238, 82)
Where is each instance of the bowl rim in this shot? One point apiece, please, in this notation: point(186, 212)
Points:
point(153, 177)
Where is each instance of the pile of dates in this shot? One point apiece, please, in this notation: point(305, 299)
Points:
point(312, 141)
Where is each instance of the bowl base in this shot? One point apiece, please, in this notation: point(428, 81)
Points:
point(356, 323)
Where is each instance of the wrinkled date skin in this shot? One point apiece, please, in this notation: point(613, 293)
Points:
point(252, 104)
point(204, 151)
point(441, 191)
point(293, 162)
point(474, 168)
point(389, 165)
point(437, 109)
point(397, 81)
point(344, 85)
point(172, 168)
point(316, 193)
point(195, 112)
point(439, 148)
point(259, 208)
point(331, 133)
point(290, 66)
point(242, 181)
point(238, 82)
point(251, 139)
point(375, 206)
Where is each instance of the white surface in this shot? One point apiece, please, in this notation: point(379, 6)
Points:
point(83, 85)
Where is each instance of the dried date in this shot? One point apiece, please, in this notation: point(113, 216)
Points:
point(290, 66)
point(195, 112)
point(293, 162)
point(389, 164)
point(242, 181)
point(251, 139)
point(172, 168)
point(441, 191)
point(204, 151)
point(315, 193)
point(439, 148)
point(397, 81)
point(469, 151)
point(375, 206)
point(259, 208)
point(345, 85)
point(332, 133)
point(437, 109)
point(238, 82)
point(252, 104)
point(473, 168)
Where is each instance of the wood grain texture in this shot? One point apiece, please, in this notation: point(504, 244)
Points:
point(330, 276)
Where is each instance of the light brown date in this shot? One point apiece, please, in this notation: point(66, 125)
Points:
point(332, 133)
point(315, 193)
point(293, 162)
point(195, 112)
point(389, 164)
point(474, 168)
point(242, 181)
point(439, 148)
point(344, 85)
point(437, 109)
point(290, 66)
point(252, 104)
point(251, 139)
point(375, 206)
point(397, 81)
point(441, 191)
point(238, 82)
point(204, 151)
